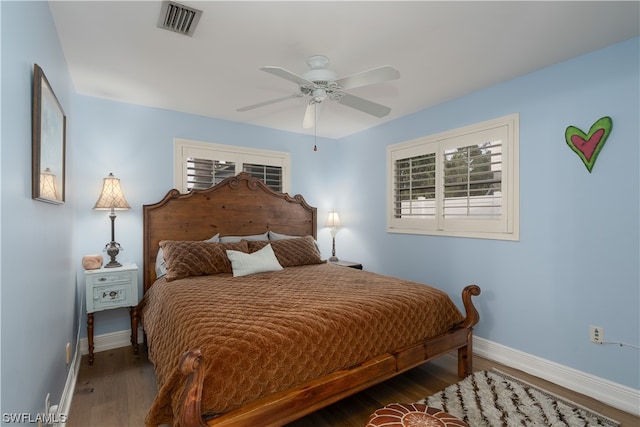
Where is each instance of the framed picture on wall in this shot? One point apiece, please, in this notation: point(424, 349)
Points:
point(48, 142)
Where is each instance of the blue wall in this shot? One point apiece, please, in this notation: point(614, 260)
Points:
point(136, 144)
point(575, 265)
point(39, 313)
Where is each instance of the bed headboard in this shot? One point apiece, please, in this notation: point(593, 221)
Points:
point(239, 205)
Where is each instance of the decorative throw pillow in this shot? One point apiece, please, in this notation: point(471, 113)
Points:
point(261, 261)
point(277, 236)
point(161, 266)
point(185, 259)
point(292, 252)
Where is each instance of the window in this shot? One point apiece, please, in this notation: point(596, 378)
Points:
point(200, 165)
point(462, 182)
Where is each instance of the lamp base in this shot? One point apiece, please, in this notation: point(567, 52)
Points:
point(113, 264)
point(333, 257)
point(113, 248)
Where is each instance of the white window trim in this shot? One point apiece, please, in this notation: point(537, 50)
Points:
point(509, 229)
point(184, 148)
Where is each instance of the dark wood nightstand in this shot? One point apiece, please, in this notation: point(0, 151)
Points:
point(349, 264)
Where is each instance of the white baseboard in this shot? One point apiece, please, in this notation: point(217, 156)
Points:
point(69, 388)
point(613, 394)
point(109, 341)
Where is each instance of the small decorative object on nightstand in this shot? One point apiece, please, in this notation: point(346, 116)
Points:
point(108, 288)
point(349, 264)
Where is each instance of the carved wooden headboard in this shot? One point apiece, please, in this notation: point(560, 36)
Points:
point(239, 205)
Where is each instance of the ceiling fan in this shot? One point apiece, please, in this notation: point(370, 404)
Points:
point(320, 83)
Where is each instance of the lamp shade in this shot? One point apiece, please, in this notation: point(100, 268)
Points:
point(333, 220)
point(111, 196)
point(48, 185)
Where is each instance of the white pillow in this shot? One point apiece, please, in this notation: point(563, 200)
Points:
point(278, 236)
point(161, 266)
point(260, 261)
point(232, 239)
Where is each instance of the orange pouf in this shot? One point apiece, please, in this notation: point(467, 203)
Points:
point(413, 415)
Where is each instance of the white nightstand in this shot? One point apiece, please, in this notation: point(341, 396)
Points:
point(108, 288)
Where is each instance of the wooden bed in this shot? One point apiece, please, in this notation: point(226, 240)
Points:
point(241, 206)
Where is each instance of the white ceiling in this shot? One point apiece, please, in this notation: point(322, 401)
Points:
point(443, 50)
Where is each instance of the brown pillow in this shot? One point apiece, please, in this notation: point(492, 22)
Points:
point(291, 252)
point(192, 258)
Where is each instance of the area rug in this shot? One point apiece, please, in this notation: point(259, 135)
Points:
point(495, 399)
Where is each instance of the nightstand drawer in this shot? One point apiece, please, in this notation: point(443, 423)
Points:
point(110, 278)
point(108, 288)
point(111, 296)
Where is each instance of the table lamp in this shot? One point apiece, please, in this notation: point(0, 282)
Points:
point(333, 221)
point(111, 198)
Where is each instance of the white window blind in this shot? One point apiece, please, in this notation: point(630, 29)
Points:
point(459, 183)
point(205, 173)
point(473, 181)
point(201, 165)
point(415, 186)
point(270, 175)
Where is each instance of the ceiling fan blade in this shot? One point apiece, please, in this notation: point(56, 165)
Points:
point(364, 78)
point(287, 75)
point(364, 105)
point(311, 114)
point(271, 101)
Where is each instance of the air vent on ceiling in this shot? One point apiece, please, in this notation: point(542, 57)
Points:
point(178, 18)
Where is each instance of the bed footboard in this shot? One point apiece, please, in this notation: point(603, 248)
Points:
point(292, 404)
point(191, 415)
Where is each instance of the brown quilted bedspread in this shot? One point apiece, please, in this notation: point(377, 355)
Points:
point(272, 331)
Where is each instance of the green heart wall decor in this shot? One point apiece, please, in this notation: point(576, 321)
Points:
point(588, 146)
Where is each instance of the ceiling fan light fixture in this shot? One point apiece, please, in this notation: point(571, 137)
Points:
point(319, 95)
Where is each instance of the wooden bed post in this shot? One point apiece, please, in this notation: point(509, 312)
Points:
point(190, 414)
point(465, 354)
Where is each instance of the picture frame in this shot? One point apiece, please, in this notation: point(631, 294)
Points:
point(48, 142)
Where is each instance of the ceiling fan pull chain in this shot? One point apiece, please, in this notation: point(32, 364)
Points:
point(315, 126)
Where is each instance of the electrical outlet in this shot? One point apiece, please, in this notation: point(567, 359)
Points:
point(68, 353)
point(597, 334)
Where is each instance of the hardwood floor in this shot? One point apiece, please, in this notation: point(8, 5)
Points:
point(120, 387)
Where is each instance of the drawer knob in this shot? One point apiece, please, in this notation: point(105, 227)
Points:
point(102, 279)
